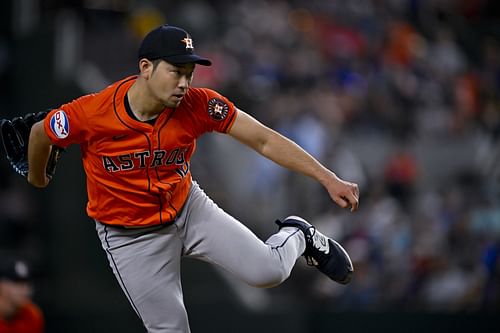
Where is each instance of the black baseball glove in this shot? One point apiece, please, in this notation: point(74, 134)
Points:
point(15, 136)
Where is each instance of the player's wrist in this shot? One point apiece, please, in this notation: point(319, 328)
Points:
point(328, 178)
point(38, 181)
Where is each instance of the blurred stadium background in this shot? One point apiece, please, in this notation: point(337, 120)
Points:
point(401, 96)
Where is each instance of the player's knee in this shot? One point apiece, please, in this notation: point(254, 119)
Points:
point(271, 278)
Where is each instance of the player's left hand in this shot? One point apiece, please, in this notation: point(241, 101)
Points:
point(344, 193)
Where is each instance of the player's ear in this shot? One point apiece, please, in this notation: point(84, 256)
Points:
point(145, 68)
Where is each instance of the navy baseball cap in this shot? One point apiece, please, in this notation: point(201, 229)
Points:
point(171, 44)
point(14, 269)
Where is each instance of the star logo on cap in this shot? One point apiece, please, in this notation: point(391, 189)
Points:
point(189, 43)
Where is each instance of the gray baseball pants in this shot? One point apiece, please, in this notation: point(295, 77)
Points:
point(147, 261)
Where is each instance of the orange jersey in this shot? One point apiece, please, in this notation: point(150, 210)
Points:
point(29, 319)
point(138, 174)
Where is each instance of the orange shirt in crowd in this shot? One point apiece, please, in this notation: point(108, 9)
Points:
point(29, 319)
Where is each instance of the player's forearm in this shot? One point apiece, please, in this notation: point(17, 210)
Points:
point(288, 154)
point(38, 154)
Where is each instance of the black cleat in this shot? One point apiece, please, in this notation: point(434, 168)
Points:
point(322, 252)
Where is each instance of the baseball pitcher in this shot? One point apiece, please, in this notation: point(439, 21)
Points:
point(137, 137)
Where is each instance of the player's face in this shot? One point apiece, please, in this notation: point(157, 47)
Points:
point(169, 83)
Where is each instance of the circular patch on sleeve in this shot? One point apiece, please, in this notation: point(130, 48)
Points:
point(217, 109)
point(59, 124)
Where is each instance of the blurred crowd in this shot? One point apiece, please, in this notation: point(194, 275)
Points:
point(399, 96)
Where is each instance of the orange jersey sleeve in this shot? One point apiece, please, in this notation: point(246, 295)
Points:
point(138, 174)
point(212, 111)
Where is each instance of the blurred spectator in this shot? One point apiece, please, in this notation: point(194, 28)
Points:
point(400, 175)
point(491, 292)
point(18, 314)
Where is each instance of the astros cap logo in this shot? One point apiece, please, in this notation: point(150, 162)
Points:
point(188, 41)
